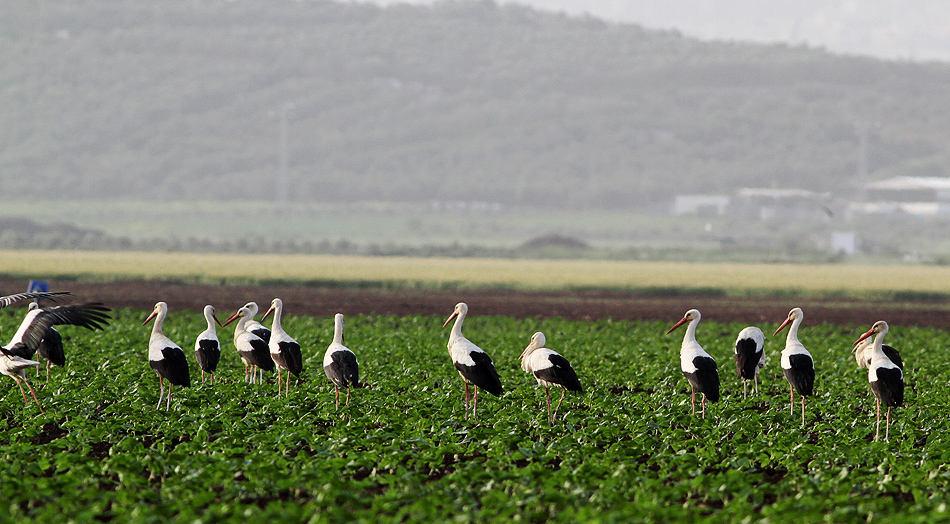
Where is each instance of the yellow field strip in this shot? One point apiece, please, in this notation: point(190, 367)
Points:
point(526, 274)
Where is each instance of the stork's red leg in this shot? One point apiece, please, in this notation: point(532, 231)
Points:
point(547, 395)
point(25, 401)
point(563, 390)
point(34, 396)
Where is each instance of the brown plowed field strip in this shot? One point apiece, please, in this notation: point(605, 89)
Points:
point(579, 305)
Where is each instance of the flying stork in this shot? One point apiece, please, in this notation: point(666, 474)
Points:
point(284, 350)
point(339, 363)
point(165, 357)
point(797, 364)
point(885, 376)
point(472, 363)
point(550, 369)
point(697, 365)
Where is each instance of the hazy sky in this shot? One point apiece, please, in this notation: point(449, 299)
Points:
point(897, 29)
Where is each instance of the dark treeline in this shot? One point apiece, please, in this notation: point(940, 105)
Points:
point(463, 100)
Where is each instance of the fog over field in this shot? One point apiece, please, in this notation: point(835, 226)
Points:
point(892, 29)
point(707, 130)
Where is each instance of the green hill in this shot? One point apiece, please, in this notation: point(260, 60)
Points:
point(458, 101)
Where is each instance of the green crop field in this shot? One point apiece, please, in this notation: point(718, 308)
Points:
point(627, 449)
point(520, 273)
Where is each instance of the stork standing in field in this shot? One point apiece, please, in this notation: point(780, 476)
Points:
point(165, 357)
point(697, 365)
point(284, 350)
point(750, 357)
point(797, 364)
point(207, 346)
point(885, 376)
point(251, 348)
point(550, 369)
point(339, 363)
point(472, 363)
point(254, 326)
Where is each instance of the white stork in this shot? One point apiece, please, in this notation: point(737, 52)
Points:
point(550, 369)
point(284, 350)
point(254, 326)
point(885, 376)
point(797, 364)
point(750, 357)
point(165, 357)
point(251, 348)
point(472, 363)
point(697, 365)
point(339, 363)
point(207, 346)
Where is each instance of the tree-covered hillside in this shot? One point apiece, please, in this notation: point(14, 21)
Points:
point(459, 101)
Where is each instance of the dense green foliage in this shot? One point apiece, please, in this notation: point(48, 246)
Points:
point(462, 100)
point(627, 448)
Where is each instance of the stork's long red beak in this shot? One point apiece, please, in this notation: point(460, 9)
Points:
point(863, 337)
point(678, 324)
point(787, 321)
point(269, 311)
point(450, 318)
point(215, 317)
point(150, 317)
point(231, 318)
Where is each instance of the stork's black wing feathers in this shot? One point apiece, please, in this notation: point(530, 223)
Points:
point(291, 357)
point(889, 387)
point(51, 348)
point(343, 369)
point(12, 299)
point(748, 355)
point(18, 350)
point(801, 375)
point(259, 354)
point(93, 315)
point(561, 373)
point(208, 355)
point(263, 333)
point(176, 367)
point(893, 355)
point(482, 374)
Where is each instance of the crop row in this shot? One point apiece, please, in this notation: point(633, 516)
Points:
point(626, 449)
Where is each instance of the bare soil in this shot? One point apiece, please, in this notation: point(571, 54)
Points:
point(575, 305)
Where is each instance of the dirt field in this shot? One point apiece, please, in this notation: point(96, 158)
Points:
point(324, 301)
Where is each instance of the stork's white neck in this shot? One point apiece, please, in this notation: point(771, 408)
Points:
point(210, 319)
point(278, 310)
point(457, 327)
point(338, 329)
point(159, 321)
point(690, 336)
point(791, 339)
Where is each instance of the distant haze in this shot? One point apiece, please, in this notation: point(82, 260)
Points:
point(892, 29)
